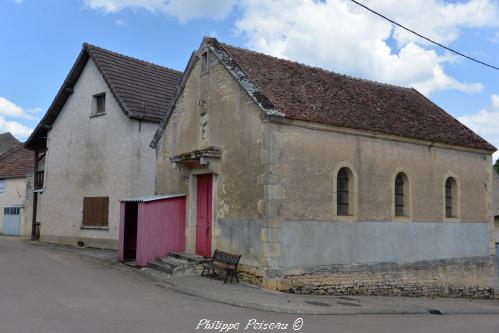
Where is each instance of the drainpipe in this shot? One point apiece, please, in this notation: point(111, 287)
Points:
point(35, 199)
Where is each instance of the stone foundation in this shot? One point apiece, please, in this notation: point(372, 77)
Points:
point(250, 274)
point(98, 243)
point(468, 278)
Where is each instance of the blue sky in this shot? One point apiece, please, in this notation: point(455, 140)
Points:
point(40, 40)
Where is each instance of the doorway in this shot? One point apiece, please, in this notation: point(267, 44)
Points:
point(130, 234)
point(12, 221)
point(204, 214)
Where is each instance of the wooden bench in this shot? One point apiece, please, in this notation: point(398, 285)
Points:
point(224, 261)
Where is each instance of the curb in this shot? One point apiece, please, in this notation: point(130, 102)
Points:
point(288, 310)
point(163, 282)
point(279, 309)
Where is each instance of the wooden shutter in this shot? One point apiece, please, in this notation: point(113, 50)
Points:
point(95, 211)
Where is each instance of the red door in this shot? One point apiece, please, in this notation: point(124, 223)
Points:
point(203, 215)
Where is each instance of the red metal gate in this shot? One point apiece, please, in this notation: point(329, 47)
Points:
point(203, 215)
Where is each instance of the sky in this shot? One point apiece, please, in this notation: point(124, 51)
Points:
point(41, 39)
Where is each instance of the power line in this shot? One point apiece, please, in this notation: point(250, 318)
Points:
point(425, 38)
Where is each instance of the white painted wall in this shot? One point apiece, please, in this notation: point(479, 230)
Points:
point(15, 195)
point(107, 155)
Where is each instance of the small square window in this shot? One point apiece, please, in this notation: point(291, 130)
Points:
point(99, 104)
point(2, 185)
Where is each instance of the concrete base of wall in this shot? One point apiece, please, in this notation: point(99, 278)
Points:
point(469, 278)
point(97, 243)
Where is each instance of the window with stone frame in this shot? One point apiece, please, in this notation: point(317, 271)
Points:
point(343, 192)
point(401, 195)
point(450, 197)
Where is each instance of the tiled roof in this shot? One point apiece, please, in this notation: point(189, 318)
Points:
point(7, 141)
point(17, 162)
point(142, 89)
point(288, 89)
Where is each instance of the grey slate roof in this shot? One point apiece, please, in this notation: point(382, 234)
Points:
point(142, 89)
point(7, 141)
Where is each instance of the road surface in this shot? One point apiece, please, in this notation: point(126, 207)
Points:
point(47, 290)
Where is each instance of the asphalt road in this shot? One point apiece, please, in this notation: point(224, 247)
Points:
point(46, 290)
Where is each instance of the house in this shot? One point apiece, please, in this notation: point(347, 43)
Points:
point(496, 206)
point(7, 141)
point(95, 138)
point(325, 183)
point(16, 181)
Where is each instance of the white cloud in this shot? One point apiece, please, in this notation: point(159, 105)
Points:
point(121, 23)
point(34, 110)
point(16, 129)
point(494, 38)
point(113, 6)
point(436, 19)
point(495, 101)
point(343, 37)
point(184, 10)
point(486, 122)
point(187, 9)
point(10, 109)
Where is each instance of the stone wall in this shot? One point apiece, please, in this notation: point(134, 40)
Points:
point(211, 111)
point(470, 278)
point(304, 229)
point(308, 158)
point(496, 204)
point(274, 189)
point(312, 243)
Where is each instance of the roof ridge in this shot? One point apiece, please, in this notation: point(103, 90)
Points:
point(89, 47)
point(380, 107)
point(8, 134)
point(330, 72)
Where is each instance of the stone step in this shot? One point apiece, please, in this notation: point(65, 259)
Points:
point(188, 257)
point(177, 266)
point(160, 266)
point(176, 262)
point(173, 266)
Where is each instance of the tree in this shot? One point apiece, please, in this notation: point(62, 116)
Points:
point(496, 166)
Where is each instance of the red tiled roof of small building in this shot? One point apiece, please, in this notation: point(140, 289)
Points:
point(16, 163)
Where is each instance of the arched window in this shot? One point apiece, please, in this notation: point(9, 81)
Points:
point(450, 197)
point(401, 195)
point(343, 203)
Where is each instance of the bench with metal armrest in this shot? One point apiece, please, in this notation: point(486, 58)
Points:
point(223, 261)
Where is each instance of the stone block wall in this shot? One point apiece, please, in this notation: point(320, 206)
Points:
point(470, 278)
